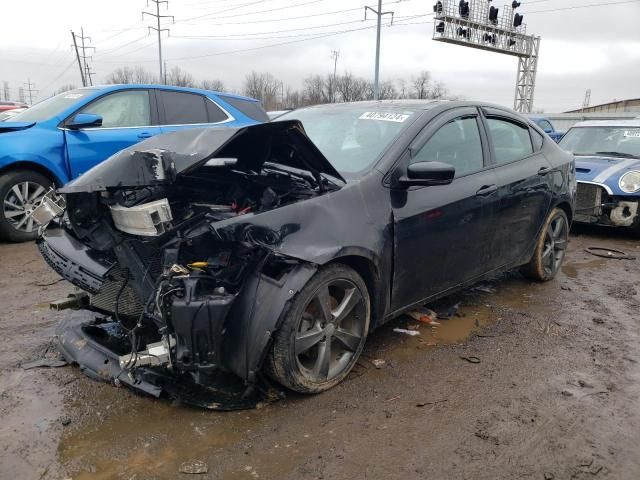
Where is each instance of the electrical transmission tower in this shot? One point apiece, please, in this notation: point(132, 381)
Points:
point(587, 99)
point(21, 95)
point(378, 13)
point(477, 24)
point(158, 29)
point(31, 91)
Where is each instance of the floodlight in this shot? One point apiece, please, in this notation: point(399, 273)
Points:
point(517, 20)
point(493, 15)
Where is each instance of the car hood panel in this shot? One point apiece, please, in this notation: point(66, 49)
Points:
point(604, 170)
point(9, 126)
point(160, 159)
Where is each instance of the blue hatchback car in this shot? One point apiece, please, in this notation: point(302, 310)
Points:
point(60, 138)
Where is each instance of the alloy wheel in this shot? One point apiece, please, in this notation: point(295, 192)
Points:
point(331, 330)
point(19, 203)
point(555, 245)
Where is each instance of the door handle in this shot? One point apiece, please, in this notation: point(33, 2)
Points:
point(144, 135)
point(544, 170)
point(486, 190)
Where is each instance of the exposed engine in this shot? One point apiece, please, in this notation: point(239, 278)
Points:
point(164, 263)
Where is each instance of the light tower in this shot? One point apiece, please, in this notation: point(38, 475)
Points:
point(478, 24)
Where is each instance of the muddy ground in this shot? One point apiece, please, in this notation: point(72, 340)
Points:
point(555, 393)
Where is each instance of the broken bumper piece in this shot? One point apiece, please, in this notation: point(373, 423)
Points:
point(98, 346)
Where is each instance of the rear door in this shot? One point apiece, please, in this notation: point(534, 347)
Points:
point(128, 117)
point(524, 184)
point(444, 234)
point(180, 110)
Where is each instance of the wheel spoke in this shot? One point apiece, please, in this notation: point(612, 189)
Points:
point(560, 244)
point(351, 298)
point(25, 191)
point(21, 222)
point(36, 194)
point(557, 228)
point(324, 303)
point(18, 194)
point(348, 339)
point(546, 252)
point(13, 205)
point(30, 224)
point(13, 213)
point(323, 361)
point(306, 340)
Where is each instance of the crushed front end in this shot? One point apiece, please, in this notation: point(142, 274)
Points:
point(182, 290)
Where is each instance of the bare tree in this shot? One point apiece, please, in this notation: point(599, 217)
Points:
point(387, 91)
point(130, 75)
point(214, 85)
point(65, 88)
point(421, 85)
point(352, 89)
point(265, 87)
point(314, 90)
point(180, 78)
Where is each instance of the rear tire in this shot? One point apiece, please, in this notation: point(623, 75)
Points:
point(16, 224)
point(551, 246)
point(323, 333)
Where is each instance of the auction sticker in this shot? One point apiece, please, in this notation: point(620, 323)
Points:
point(384, 116)
point(635, 133)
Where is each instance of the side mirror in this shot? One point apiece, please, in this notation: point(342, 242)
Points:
point(84, 120)
point(428, 173)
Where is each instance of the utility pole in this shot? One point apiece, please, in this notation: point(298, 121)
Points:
point(334, 54)
point(75, 45)
point(158, 17)
point(30, 89)
point(5, 90)
point(21, 95)
point(587, 99)
point(87, 68)
point(379, 13)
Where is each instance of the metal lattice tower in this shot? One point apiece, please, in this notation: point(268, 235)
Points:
point(478, 24)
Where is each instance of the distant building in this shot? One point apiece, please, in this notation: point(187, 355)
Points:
point(617, 106)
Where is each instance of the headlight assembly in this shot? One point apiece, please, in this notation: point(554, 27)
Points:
point(630, 182)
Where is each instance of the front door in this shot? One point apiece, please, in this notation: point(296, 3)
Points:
point(126, 119)
point(444, 234)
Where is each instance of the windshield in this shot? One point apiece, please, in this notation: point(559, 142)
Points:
point(352, 138)
point(51, 107)
point(614, 141)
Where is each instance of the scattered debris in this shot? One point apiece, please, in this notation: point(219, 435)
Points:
point(44, 362)
point(65, 421)
point(413, 333)
point(484, 289)
point(567, 393)
point(393, 398)
point(599, 320)
point(378, 362)
point(584, 384)
point(565, 287)
point(549, 476)
point(48, 284)
point(194, 467)
point(612, 253)
point(424, 404)
point(424, 315)
point(471, 359)
point(451, 312)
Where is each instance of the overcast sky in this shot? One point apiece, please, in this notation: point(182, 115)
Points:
point(596, 48)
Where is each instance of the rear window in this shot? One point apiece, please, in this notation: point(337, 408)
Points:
point(250, 108)
point(183, 108)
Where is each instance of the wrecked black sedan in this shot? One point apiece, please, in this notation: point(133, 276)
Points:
point(215, 259)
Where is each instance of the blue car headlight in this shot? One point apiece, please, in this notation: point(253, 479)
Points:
point(630, 182)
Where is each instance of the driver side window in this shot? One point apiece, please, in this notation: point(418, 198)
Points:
point(456, 143)
point(122, 109)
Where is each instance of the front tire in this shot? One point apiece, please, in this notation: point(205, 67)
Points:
point(20, 193)
point(323, 333)
point(551, 246)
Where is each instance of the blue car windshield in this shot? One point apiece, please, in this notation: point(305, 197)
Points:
point(613, 141)
point(352, 138)
point(51, 107)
